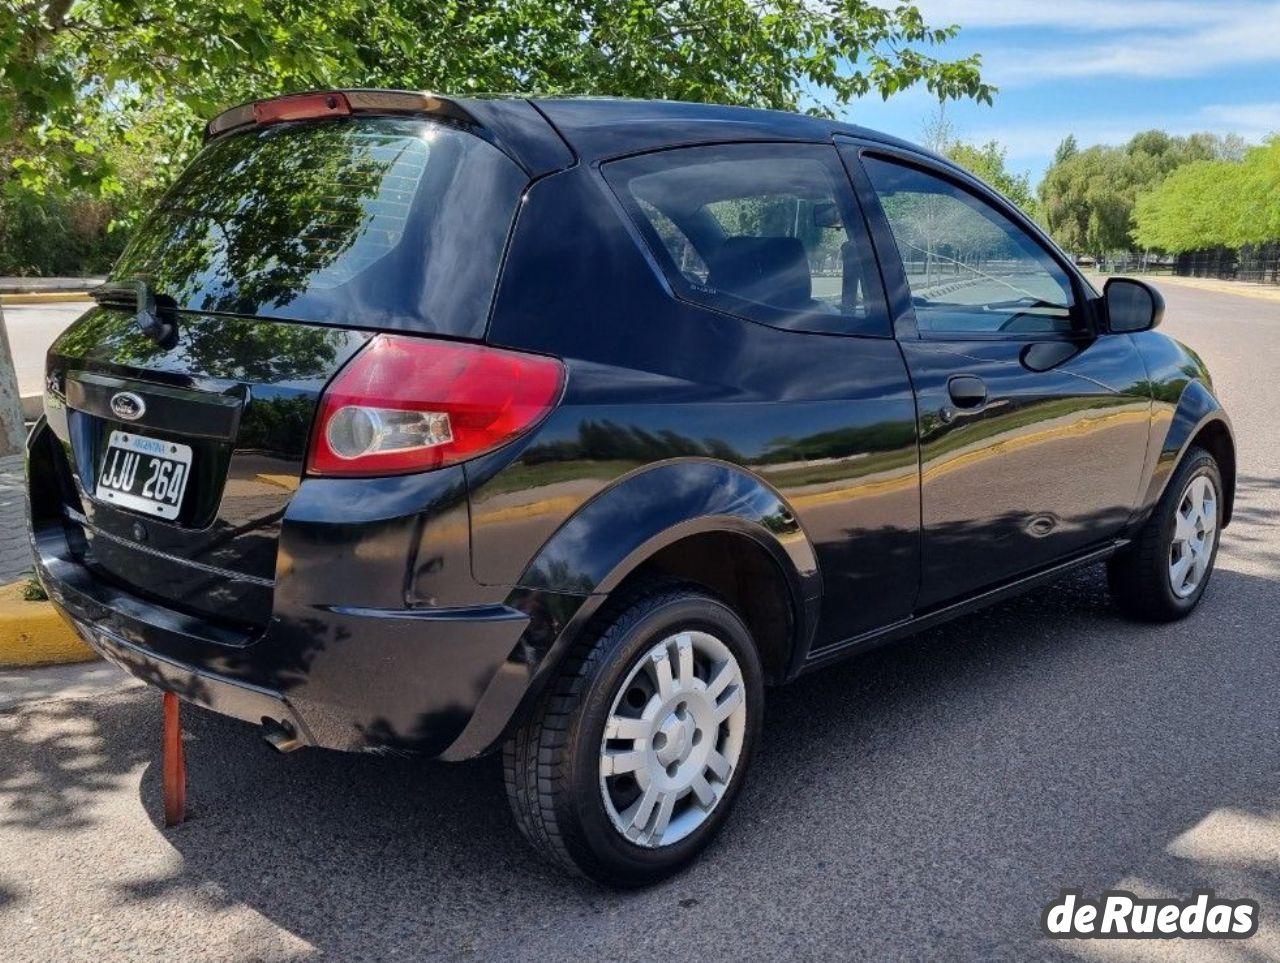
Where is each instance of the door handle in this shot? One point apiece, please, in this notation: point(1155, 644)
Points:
point(967, 391)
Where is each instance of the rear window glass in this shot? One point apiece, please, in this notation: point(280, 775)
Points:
point(382, 222)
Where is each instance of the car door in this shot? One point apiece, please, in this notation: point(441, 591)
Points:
point(1033, 426)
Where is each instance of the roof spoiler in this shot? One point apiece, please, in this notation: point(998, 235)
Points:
point(317, 104)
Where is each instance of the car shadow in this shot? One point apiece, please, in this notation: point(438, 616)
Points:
point(935, 794)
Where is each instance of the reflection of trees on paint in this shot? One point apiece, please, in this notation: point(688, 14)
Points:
point(608, 441)
point(238, 349)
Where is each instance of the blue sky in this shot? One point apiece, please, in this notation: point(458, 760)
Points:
point(1101, 69)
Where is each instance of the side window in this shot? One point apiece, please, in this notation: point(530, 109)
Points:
point(969, 268)
point(770, 232)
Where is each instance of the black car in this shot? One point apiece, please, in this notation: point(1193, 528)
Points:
point(564, 427)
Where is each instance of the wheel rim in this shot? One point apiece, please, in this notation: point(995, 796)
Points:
point(1195, 527)
point(673, 739)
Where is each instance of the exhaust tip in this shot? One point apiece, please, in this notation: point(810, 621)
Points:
point(280, 736)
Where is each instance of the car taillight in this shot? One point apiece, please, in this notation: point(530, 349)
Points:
point(408, 404)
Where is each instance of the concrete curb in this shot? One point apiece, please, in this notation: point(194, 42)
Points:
point(33, 633)
point(44, 297)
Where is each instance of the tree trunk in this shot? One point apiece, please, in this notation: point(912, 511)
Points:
point(12, 429)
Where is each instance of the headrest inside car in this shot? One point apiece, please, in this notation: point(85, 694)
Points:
point(768, 270)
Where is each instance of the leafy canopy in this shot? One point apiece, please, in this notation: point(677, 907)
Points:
point(66, 64)
point(1088, 196)
point(1214, 203)
point(987, 162)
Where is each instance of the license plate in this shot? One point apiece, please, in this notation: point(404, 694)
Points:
point(145, 474)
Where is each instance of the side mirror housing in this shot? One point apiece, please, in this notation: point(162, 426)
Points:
point(1132, 305)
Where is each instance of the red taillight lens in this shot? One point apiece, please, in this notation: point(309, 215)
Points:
point(411, 404)
point(301, 107)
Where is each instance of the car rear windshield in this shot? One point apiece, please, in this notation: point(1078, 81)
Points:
point(379, 223)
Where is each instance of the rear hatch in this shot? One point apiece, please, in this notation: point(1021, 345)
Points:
point(184, 401)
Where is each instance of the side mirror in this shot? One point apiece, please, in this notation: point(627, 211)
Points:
point(1132, 305)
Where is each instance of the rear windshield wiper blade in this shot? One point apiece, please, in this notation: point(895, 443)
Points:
point(156, 322)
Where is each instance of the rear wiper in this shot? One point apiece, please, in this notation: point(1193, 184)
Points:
point(137, 294)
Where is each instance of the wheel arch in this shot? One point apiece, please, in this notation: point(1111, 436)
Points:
point(701, 521)
point(1198, 420)
point(1215, 437)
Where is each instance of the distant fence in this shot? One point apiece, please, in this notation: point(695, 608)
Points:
point(1258, 263)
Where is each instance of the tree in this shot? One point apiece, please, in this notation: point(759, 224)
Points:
point(1088, 196)
point(66, 66)
point(12, 429)
point(1066, 149)
point(1083, 204)
point(984, 161)
point(1214, 203)
point(987, 162)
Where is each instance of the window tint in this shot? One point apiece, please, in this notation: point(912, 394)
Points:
point(970, 268)
point(391, 222)
point(768, 232)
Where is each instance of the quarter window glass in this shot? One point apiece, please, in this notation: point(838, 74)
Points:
point(684, 255)
point(768, 232)
point(970, 268)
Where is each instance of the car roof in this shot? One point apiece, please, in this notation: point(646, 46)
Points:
point(598, 128)
point(544, 134)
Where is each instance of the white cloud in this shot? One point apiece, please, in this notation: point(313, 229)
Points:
point(1250, 121)
point(1087, 15)
point(1140, 38)
point(1181, 54)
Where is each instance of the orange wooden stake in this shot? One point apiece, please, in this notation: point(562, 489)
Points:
point(175, 764)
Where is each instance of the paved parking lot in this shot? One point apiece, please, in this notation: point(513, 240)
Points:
point(925, 801)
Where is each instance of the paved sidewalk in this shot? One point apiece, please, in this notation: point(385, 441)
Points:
point(54, 683)
point(15, 553)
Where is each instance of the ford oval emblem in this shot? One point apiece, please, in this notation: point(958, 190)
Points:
point(127, 406)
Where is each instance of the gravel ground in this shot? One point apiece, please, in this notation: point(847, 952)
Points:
point(924, 801)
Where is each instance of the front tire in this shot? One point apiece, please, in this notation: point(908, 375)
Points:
point(1162, 575)
point(632, 761)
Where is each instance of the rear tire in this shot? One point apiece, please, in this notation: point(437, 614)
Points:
point(632, 760)
point(1161, 576)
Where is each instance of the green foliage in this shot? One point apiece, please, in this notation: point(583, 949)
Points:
point(987, 162)
point(64, 234)
point(106, 97)
point(1214, 203)
point(1088, 196)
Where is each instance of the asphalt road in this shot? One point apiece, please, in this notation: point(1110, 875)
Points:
point(924, 801)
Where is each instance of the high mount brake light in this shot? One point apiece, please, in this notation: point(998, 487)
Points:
point(407, 404)
point(319, 104)
point(301, 107)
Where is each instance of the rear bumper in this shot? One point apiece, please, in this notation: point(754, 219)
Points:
point(445, 682)
point(229, 697)
point(375, 635)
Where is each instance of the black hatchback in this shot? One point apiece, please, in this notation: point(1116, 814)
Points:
point(564, 427)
